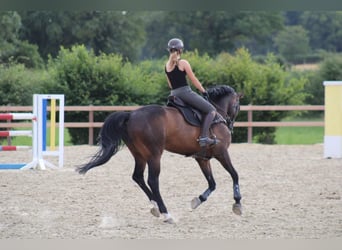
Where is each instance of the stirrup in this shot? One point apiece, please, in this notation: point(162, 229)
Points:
point(206, 141)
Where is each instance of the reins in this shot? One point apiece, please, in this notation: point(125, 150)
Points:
point(229, 122)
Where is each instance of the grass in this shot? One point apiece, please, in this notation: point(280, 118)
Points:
point(300, 135)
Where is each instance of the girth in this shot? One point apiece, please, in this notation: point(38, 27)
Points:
point(191, 115)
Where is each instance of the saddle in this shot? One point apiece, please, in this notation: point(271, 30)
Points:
point(191, 115)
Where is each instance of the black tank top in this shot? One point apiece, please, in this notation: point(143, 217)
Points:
point(177, 78)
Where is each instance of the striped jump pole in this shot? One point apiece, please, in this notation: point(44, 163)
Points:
point(38, 133)
point(16, 133)
point(16, 116)
point(14, 148)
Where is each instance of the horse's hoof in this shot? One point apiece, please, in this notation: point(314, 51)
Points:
point(237, 209)
point(155, 211)
point(195, 202)
point(168, 219)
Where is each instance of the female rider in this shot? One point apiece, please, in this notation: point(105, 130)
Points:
point(176, 70)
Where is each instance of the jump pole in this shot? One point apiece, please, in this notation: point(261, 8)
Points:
point(333, 119)
point(15, 116)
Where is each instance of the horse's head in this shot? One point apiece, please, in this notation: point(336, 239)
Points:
point(233, 109)
point(226, 101)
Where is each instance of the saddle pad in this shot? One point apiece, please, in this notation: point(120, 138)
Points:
point(192, 116)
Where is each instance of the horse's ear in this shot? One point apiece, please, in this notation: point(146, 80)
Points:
point(240, 95)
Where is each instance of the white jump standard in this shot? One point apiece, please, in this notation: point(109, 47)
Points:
point(38, 133)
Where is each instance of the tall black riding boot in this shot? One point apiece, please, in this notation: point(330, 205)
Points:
point(204, 139)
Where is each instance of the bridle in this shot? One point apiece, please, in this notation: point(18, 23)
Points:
point(229, 121)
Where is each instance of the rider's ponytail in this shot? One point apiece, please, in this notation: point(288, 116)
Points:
point(173, 58)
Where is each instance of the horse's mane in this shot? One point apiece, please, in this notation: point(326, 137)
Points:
point(216, 92)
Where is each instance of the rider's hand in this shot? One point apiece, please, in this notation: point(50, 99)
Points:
point(205, 95)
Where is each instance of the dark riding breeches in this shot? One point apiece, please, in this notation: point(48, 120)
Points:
point(187, 95)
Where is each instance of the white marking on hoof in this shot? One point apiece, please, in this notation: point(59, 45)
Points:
point(168, 218)
point(155, 209)
point(195, 202)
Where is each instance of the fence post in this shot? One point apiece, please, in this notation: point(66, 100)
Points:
point(91, 128)
point(250, 127)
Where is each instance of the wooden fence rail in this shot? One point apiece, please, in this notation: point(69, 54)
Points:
point(91, 124)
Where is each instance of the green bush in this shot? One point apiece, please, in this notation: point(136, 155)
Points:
point(28, 55)
point(18, 84)
point(146, 82)
point(331, 67)
point(86, 79)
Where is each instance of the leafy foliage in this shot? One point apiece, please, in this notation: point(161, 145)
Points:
point(18, 84)
point(12, 49)
point(325, 29)
point(212, 32)
point(331, 67)
point(293, 43)
point(87, 80)
point(102, 31)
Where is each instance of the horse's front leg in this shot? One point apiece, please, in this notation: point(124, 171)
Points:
point(224, 159)
point(206, 170)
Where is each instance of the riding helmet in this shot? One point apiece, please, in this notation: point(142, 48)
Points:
point(175, 44)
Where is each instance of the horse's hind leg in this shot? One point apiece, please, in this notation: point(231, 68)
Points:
point(153, 182)
point(224, 159)
point(206, 170)
point(138, 177)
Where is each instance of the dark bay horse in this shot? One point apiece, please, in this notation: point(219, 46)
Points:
point(150, 130)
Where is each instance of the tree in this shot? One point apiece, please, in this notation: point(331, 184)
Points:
point(212, 32)
point(293, 43)
point(292, 17)
point(12, 49)
point(102, 31)
point(325, 29)
point(10, 23)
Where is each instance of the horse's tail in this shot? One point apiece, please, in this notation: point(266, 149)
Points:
point(110, 140)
